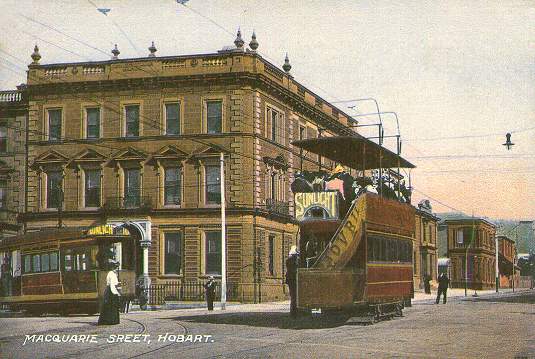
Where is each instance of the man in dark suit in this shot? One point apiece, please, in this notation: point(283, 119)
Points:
point(292, 263)
point(443, 283)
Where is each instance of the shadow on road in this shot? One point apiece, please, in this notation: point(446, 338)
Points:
point(520, 298)
point(273, 319)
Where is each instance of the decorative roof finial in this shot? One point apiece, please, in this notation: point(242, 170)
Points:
point(286, 67)
point(115, 53)
point(36, 56)
point(239, 41)
point(152, 50)
point(253, 44)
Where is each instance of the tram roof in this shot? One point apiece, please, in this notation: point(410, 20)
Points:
point(49, 234)
point(355, 151)
point(44, 235)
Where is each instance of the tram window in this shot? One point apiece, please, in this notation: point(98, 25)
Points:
point(27, 264)
point(36, 263)
point(45, 263)
point(67, 262)
point(388, 250)
point(370, 250)
point(53, 261)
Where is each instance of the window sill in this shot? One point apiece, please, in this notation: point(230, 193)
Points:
point(50, 210)
point(171, 206)
point(212, 205)
point(89, 209)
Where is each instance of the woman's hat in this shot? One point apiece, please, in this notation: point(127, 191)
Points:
point(293, 251)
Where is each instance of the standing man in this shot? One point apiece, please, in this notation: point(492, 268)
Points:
point(291, 278)
point(443, 283)
point(210, 292)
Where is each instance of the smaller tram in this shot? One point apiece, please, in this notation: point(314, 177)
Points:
point(357, 229)
point(64, 270)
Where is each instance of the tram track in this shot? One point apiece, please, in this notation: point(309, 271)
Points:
point(152, 351)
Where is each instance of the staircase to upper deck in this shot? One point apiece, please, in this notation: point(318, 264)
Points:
point(380, 214)
point(345, 240)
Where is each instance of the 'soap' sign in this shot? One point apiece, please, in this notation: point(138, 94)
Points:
point(306, 205)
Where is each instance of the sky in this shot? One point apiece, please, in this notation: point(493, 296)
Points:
point(459, 74)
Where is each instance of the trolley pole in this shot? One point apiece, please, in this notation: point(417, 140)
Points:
point(223, 237)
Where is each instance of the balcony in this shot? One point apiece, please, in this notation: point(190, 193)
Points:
point(11, 96)
point(279, 207)
point(128, 202)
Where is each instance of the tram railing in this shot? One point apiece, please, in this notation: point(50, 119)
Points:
point(273, 205)
point(186, 291)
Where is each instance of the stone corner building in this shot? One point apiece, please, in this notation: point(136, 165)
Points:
point(425, 245)
point(13, 118)
point(138, 141)
point(472, 250)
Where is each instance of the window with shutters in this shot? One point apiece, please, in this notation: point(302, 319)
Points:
point(54, 190)
point(172, 186)
point(54, 124)
point(92, 188)
point(173, 253)
point(275, 125)
point(172, 118)
point(214, 116)
point(3, 137)
point(131, 115)
point(212, 247)
point(92, 118)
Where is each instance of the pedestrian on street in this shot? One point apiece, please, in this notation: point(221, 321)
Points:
point(109, 312)
point(443, 283)
point(291, 278)
point(209, 288)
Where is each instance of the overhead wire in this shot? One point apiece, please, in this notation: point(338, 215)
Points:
point(102, 51)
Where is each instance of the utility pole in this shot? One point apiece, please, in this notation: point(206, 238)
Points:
point(223, 237)
point(514, 258)
point(60, 195)
point(497, 268)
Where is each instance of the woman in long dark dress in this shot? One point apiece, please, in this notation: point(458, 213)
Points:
point(109, 313)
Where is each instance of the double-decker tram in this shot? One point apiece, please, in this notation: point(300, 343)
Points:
point(64, 270)
point(357, 228)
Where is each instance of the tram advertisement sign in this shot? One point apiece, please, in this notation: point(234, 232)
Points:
point(307, 202)
point(107, 230)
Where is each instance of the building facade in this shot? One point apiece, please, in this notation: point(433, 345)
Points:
point(425, 246)
point(471, 249)
point(13, 117)
point(140, 142)
point(507, 264)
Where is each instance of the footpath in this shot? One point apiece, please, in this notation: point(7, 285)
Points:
point(419, 297)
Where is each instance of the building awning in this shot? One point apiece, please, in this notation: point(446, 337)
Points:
point(354, 151)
